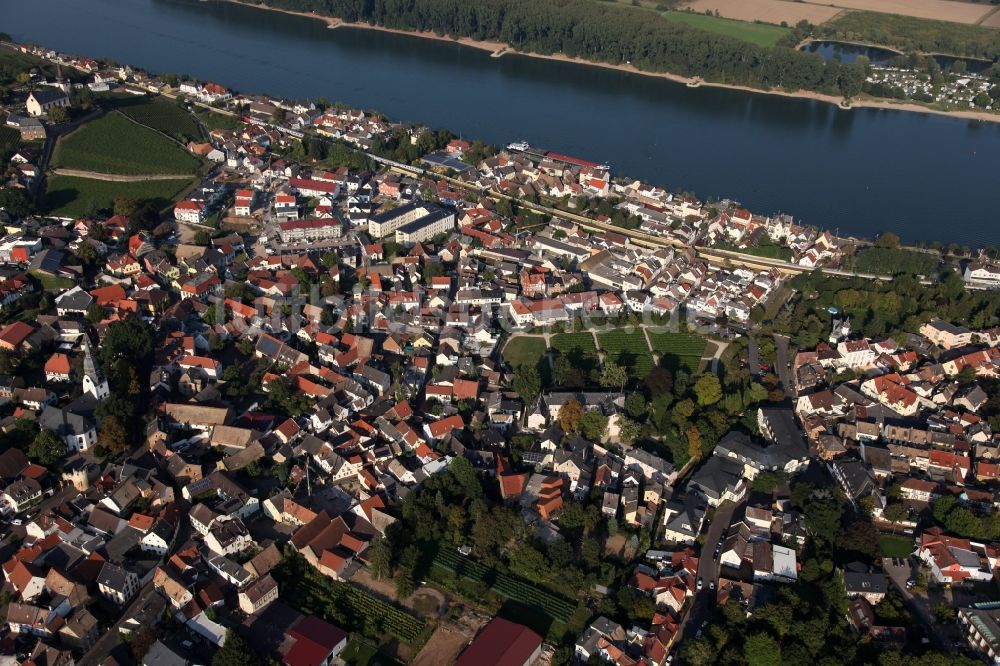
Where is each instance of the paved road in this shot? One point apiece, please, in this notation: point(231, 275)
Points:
point(783, 366)
point(708, 571)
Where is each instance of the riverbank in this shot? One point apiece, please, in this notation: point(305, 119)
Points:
point(499, 49)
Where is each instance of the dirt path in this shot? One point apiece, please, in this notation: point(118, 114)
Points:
point(119, 178)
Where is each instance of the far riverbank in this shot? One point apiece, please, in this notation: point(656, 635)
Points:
point(501, 49)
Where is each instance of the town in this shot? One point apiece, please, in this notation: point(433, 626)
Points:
point(347, 390)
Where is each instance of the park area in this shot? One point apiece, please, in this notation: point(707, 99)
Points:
point(69, 196)
point(681, 350)
point(113, 144)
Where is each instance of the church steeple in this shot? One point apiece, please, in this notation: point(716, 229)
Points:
point(94, 382)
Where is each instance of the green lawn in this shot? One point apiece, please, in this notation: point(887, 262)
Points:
point(681, 349)
point(524, 351)
point(68, 196)
point(114, 144)
point(53, 282)
point(629, 350)
point(762, 34)
point(895, 546)
point(361, 653)
point(570, 343)
point(162, 114)
point(889, 261)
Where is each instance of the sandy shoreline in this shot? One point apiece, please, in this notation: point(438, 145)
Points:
point(500, 49)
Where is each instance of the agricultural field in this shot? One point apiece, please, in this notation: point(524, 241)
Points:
point(574, 343)
point(937, 10)
point(511, 587)
point(215, 120)
point(766, 11)
point(524, 350)
point(683, 350)
point(68, 196)
point(762, 34)
point(889, 261)
point(161, 114)
point(345, 605)
point(113, 144)
point(629, 350)
point(10, 141)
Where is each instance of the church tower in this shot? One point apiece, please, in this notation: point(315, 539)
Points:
point(94, 383)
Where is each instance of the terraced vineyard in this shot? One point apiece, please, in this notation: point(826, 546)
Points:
point(629, 350)
point(684, 348)
point(508, 586)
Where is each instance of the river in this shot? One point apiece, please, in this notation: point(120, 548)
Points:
point(860, 172)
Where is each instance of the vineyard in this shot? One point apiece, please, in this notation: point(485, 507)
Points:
point(683, 348)
point(68, 196)
point(567, 343)
point(163, 115)
point(113, 144)
point(629, 350)
point(341, 603)
point(508, 586)
point(10, 140)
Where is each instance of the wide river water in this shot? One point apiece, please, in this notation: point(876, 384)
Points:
point(861, 171)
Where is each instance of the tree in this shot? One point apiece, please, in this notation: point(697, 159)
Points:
point(593, 425)
point(636, 405)
point(895, 512)
point(46, 448)
point(527, 384)
point(761, 650)
point(235, 652)
point(125, 206)
point(58, 115)
point(112, 435)
point(694, 441)
point(570, 415)
point(467, 478)
point(708, 390)
point(201, 237)
point(628, 430)
point(15, 201)
point(614, 376)
point(682, 412)
point(380, 558)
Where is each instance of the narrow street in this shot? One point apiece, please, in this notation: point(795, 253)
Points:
point(703, 602)
point(784, 368)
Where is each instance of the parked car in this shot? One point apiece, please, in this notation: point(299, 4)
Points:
point(701, 582)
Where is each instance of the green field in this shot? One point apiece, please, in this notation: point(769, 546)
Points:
point(524, 351)
point(762, 34)
point(114, 144)
point(215, 120)
point(161, 114)
point(895, 546)
point(629, 350)
point(574, 343)
point(68, 196)
point(681, 349)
